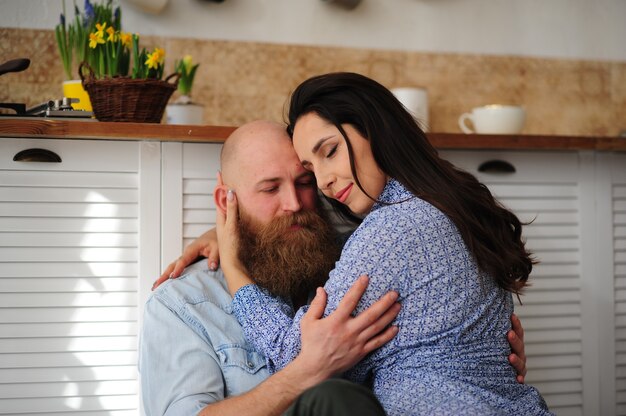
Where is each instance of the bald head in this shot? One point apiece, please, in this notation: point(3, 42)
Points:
point(244, 144)
point(260, 164)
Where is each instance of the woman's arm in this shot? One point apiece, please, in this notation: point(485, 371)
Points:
point(269, 322)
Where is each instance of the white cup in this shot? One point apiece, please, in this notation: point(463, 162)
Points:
point(494, 119)
point(415, 100)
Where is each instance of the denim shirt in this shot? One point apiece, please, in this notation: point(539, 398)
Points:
point(192, 350)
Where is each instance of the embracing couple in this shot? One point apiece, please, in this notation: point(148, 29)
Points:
point(415, 312)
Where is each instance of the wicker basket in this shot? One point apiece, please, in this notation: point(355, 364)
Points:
point(126, 99)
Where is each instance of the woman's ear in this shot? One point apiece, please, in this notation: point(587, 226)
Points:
point(219, 195)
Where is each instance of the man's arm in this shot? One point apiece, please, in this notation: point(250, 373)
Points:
point(517, 358)
point(180, 371)
point(271, 397)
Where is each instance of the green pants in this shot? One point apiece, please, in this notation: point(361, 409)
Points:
point(336, 397)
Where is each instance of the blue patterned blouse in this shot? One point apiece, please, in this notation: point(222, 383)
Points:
point(450, 354)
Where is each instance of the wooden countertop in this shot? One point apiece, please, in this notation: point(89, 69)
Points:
point(62, 129)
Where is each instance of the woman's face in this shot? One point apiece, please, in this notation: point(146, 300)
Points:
point(322, 149)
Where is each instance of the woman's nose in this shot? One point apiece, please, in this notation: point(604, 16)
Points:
point(325, 181)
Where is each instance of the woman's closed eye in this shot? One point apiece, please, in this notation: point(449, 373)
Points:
point(332, 151)
point(270, 190)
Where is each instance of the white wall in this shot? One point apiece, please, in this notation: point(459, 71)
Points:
point(579, 29)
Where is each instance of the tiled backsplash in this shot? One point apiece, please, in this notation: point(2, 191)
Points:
point(243, 81)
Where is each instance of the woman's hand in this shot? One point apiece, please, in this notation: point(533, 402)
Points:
point(205, 245)
point(228, 245)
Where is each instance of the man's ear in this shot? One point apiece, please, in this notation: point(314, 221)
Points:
point(219, 195)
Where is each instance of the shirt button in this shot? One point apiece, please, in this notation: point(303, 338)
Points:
point(250, 364)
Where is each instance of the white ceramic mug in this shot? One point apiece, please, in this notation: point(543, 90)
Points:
point(415, 100)
point(494, 119)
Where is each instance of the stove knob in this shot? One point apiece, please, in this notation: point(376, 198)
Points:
point(66, 104)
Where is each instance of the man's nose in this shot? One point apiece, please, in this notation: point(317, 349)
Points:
point(291, 201)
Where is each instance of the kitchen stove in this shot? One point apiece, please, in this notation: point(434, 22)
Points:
point(53, 109)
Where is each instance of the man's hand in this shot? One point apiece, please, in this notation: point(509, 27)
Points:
point(518, 356)
point(336, 343)
point(205, 245)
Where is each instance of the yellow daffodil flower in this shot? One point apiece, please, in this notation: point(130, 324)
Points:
point(126, 38)
point(160, 55)
point(95, 39)
point(100, 29)
point(112, 35)
point(153, 60)
point(187, 63)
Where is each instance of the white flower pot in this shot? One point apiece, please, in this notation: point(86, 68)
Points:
point(184, 113)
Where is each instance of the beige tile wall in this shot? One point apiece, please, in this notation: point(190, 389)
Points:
point(242, 81)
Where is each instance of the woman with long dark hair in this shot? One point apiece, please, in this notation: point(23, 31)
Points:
point(429, 231)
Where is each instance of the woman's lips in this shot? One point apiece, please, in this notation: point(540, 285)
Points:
point(342, 195)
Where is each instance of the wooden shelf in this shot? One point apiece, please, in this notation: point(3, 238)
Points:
point(62, 129)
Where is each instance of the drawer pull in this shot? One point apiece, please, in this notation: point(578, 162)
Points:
point(496, 166)
point(37, 155)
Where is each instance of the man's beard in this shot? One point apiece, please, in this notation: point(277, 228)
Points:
point(291, 255)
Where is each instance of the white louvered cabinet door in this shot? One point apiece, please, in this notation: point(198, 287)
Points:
point(189, 176)
point(618, 190)
point(69, 235)
point(544, 189)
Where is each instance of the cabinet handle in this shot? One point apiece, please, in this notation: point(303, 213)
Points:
point(37, 155)
point(496, 166)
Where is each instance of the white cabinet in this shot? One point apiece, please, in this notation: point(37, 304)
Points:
point(576, 202)
point(74, 241)
point(81, 242)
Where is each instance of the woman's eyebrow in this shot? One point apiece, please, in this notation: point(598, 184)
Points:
point(319, 143)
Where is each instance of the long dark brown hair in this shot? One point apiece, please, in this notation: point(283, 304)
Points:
point(491, 232)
